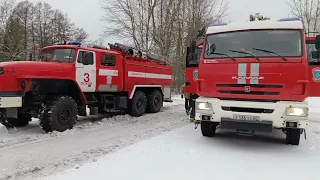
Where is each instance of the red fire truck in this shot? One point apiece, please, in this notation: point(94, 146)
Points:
point(69, 76)
point(253, 77)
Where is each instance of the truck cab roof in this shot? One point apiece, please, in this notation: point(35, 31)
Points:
point(287, 23)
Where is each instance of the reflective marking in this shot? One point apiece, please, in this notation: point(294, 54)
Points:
point(254, 73)
point(242, 71)
point(109, 80)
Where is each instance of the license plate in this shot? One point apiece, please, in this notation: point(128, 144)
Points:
point(246, 118)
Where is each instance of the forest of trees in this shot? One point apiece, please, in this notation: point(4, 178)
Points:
point(26, 27)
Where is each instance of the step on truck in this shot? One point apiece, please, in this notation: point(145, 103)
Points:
point(253, 77)
point(68, 77)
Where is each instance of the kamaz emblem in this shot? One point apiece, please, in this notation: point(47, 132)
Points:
point(247, 89)
point(195, 74)
point(316, 74)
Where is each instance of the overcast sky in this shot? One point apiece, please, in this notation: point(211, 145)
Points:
point(88, 13)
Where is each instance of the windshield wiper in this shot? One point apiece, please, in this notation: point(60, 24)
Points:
point(244, 52)
point(267, 51)
point(222, 54)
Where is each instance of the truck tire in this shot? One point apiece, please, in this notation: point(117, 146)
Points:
point(59, 114)
point(155, 101)
point(22, 120)
point(138, 104)
point(293, 136)
point(208, 128)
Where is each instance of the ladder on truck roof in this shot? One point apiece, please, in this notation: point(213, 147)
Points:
point(127, 50)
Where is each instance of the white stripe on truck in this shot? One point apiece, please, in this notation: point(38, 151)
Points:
point(148, 75)
point(242, 72)
point(254, 73)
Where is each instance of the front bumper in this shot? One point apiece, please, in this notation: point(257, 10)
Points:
point(274, 116)
point(10, 102)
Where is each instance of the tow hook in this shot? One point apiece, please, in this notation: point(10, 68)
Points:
point(245, 132)
point(196, 123)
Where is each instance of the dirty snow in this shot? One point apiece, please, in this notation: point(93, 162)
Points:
point(157, 146)
point(30, 152)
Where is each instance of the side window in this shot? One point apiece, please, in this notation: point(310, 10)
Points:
point(108, 60)
point(88, 56)
point(80, 57)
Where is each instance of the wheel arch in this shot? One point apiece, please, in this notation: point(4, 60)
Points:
point(58, 87)
point(147, 89)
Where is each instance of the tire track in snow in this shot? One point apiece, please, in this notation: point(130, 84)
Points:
point(43, 154)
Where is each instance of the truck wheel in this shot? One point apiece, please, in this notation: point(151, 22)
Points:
point(208, 128)
point(22, 120)
point(59, 114)
point(155, 101)
point(293, 136)
point(138, 104)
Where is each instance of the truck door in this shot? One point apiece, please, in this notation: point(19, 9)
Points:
point(313, 69)
point(110, 75)
point(86, 70)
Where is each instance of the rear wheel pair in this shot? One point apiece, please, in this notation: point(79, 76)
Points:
point(141, 103)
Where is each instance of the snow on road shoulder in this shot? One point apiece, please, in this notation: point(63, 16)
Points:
point(31, 153)
point(33, 132)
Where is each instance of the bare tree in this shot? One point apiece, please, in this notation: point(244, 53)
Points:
point(162, 26)
point(308, 11)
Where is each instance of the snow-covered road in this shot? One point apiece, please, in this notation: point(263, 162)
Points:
point(30, 152)
point(157, 146)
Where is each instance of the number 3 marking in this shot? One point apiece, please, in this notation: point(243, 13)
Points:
point(86, 77)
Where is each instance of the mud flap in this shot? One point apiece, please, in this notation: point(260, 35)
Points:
point(3, 119)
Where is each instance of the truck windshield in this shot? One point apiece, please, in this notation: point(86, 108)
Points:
point(58, 55)
point(286, 43)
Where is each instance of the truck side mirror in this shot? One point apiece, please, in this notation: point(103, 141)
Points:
point(193, 46)
point(318, 42)
point(315, 54)
point(192, 58)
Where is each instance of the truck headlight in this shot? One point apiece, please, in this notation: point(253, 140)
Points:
point(203, 106)
point(293, 111)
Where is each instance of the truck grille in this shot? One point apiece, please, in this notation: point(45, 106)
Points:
point(250, 110)
point(252, 89)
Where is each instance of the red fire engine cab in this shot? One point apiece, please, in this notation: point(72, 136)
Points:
point(192, 67)
point(313, 68)
point(69, 76)
point(253, 77)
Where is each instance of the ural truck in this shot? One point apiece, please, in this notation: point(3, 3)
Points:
point(70, 76)
point(253, 77)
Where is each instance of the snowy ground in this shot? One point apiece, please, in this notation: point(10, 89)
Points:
point(179, 153)
point(31, 153)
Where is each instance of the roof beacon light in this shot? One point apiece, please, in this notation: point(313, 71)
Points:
point(221, 24)
point(75, 43)
point(290, 19)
